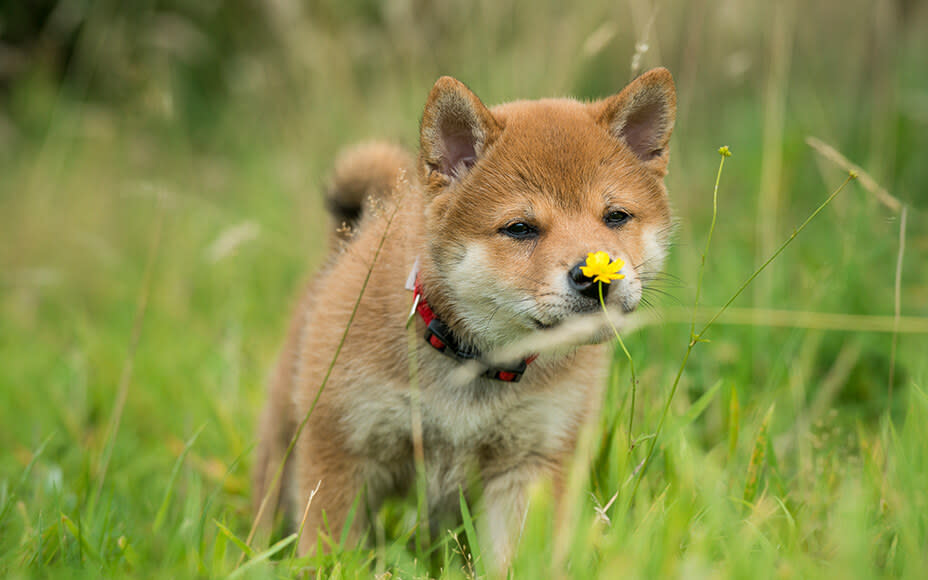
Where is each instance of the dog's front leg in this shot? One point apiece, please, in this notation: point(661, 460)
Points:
point(505, 501)
point(332, 477)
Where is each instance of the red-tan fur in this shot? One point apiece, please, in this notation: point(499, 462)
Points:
point(557, 164)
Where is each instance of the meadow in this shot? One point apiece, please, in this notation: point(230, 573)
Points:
point(160, 209)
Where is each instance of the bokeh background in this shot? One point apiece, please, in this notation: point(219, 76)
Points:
point(161, 164)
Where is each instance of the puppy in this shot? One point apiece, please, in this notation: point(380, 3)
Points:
point(470, 249)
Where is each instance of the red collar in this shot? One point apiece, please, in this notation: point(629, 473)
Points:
point(444, 341)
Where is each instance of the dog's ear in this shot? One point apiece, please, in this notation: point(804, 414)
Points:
point(642, 115)
point(456, 130)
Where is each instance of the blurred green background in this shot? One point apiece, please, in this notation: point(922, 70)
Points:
point(160, 173)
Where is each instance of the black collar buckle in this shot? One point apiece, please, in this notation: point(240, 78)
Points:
point(440, 337)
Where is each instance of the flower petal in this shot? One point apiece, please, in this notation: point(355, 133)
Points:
point(601, 268)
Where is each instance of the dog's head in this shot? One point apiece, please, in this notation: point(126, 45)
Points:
point(518, 195)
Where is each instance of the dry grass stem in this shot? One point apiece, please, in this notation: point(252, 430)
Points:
point(565, 336)
point(868, 183)
point(309, 503)
point(423, 531)
point(644, 25)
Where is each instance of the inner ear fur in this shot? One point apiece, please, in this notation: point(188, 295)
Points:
point(643, 114)
point(456, 130)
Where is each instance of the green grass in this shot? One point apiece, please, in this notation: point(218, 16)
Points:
point(783, 453)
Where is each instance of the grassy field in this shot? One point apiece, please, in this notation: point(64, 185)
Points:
point(160, 208)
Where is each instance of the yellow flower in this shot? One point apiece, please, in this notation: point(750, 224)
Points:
point(601, 269)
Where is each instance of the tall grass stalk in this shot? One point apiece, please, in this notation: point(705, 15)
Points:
point(698, 337)
point(897, 302)
point(779, 53)
point(694, 338)
point(299, 431)
point(866, 180)
point(724, 152)
point(423, 532)
point(851, 176)
point(892, 203)
point(125, 379)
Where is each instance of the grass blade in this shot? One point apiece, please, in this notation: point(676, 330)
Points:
point(169, 490)
point(695, 410)
point(471, 535)
point(242, 545)
point(220, 545)
point(263, 556)
point(755, 467)
point(83, 542)
point(349, 521)
point(10, 499)
point(734, 423)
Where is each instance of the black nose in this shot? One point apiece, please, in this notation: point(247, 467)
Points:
point(584, 284)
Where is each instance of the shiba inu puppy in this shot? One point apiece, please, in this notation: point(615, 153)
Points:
point(480, 242)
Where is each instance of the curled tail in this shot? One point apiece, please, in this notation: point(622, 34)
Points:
point(363, 173)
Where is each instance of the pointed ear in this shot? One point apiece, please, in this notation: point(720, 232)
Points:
point(642, 115)
point(456, 130)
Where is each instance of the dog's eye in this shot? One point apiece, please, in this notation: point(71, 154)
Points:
point(519, 230)
point(617, 218)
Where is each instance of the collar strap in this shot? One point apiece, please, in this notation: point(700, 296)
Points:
point(440, 337)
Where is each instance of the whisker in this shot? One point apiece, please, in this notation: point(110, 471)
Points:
point(673, 298)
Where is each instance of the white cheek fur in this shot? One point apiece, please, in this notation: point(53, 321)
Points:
point(485, 304)
point(655, 248)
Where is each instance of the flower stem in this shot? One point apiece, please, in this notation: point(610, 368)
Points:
point(631, 364)
point(702, 264)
